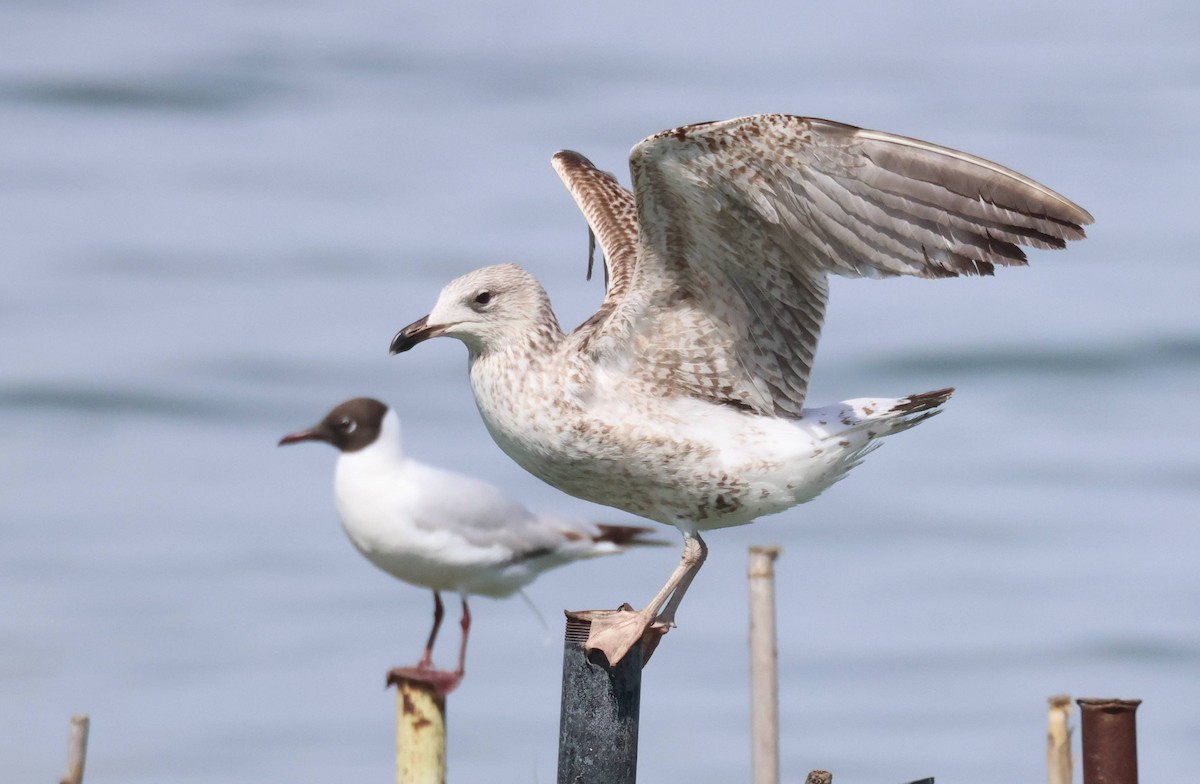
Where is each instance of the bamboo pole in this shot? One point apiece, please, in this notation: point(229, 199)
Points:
point(598, 725)
point(420, 733)
point(764, 668)
point(1058, 741)
point(76, 749)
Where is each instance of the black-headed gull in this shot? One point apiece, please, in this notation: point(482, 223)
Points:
point(442, 530)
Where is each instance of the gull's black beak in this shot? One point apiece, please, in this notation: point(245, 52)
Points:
point(318, 433)
point(413, 334)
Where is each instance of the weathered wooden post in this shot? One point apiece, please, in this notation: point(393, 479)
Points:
point(764, 668)
point(1109, 732)
point(420, 732)
point(598, 728)
point(76, 749)
point(1058, 741)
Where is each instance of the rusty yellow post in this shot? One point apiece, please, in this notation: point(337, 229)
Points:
point(420, 733)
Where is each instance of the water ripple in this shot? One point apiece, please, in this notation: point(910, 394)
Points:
point(206, 92)
point(84, 399)
point(1171, 352)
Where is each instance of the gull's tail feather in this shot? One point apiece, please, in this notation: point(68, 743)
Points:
point(848, 432)
point(915, 409)
point(924, 401)
point(589, 540)
point(626, 536)
point(878, 417)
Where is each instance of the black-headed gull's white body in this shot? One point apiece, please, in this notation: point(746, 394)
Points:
point(441, 530)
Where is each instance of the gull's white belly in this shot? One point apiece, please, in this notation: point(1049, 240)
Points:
point(373, 509)
point(681, 461)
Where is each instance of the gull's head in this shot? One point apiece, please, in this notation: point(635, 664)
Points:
point(486, 309)
point(350, 426)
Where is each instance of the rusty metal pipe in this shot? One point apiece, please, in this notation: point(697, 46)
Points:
point(1109, 740)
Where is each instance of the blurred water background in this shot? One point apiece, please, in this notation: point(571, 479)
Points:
point(214, 216)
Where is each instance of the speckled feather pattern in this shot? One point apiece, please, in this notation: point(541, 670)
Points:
point(677, 460)
point(683, 398)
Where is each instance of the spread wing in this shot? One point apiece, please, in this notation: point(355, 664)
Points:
point(740, 222)
point(612, 219)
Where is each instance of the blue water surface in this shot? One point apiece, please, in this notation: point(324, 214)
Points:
point(214, 216)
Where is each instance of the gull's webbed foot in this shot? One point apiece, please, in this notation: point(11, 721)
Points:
point(614, 633)
point(442, 681)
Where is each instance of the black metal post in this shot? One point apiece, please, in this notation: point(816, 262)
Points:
point(1109, 741)
point(598, 728)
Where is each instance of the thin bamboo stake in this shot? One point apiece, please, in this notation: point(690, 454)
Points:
point(76, 749)
point(764, 668)
point(1058, 741)
point(420, 733)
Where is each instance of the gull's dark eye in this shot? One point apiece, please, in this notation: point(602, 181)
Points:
point(483, 297)
point(347, 425)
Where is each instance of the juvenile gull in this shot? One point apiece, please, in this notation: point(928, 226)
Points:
point(442, 530)
point(682, 398)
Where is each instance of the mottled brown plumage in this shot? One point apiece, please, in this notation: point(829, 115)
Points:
point(738, 223)
point(683, 398)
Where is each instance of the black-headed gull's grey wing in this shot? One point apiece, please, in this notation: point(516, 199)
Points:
point(480, 522)
point(741, 221)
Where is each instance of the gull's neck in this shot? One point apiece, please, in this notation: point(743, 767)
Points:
point(516, 370)
point(545, 335)
point(538, 336)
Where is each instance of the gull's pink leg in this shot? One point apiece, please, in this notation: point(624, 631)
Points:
point(667, 616)
point(438, 612)
point(466, 631)
point(442, 681)
point(617, 634)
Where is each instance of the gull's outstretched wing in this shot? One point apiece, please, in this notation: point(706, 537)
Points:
point(612, 218)
point(740, 222)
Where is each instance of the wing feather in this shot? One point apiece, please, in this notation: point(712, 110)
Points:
point(611, 214)
point(739, 223)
